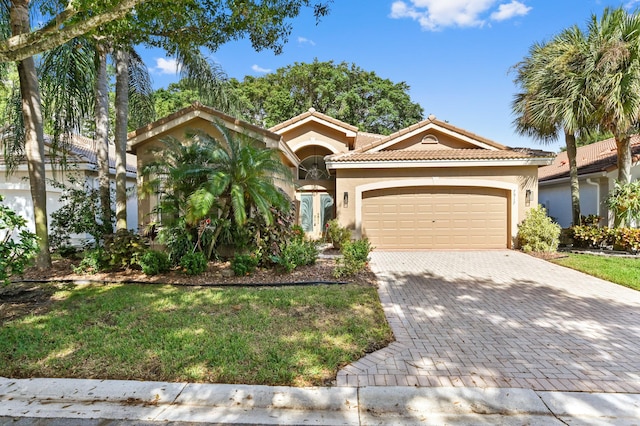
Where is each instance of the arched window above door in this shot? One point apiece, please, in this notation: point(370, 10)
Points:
point(314, 168)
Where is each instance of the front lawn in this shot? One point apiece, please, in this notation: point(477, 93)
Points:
point(296, 336)
point(620, 270)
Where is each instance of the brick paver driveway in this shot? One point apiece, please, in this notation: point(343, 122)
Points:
point(501, 319)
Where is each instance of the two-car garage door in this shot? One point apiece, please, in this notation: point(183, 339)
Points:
point(436, 218)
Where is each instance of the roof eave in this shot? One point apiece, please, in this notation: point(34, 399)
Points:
point(393, 164)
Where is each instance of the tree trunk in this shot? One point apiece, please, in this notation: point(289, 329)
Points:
point(101, 140)
point(623, 145)
point(572, 150)
point(122, 111)
point(34, 133)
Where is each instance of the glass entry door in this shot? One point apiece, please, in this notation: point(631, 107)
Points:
point(316, 209)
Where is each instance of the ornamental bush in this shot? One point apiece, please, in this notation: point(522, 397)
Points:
point(15, 253)
point(154, 262)
point(244, 264)
point(355, 255)
point(538, 233)
point(298, 252)
point(194, 263)
point(336, 234)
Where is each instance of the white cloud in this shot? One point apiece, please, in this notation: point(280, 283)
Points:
point(167, 66)
point(632, 4)
point(303, 40)
point(510, 10)
point(258, 68)
point(434, 15)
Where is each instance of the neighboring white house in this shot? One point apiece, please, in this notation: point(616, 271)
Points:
point(597, 171)
point(16, 191)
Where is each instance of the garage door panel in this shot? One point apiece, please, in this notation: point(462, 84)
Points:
point(436, 218)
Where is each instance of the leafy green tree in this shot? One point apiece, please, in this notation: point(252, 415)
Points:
point(553, 97)
point(343, 91)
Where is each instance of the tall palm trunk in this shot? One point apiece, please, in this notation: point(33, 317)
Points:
point(101, 139)
point(572, 152)
point(122, 111)
point(34, 133)
point(623, 146)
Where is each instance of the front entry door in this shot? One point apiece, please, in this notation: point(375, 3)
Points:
point(316, 209)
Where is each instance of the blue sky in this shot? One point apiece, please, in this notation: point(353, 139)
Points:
point(454, 54)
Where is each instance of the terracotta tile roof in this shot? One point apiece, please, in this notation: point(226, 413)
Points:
point(598, 157)
point(314, 113)
point(81, 150)
point(364, 138)
point(425, 123)
point(197, 106)
point(444, 154)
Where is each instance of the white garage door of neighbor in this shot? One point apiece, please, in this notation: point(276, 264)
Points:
point(436, 218)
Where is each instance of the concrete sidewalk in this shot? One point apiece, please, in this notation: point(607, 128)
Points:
point(83, 402)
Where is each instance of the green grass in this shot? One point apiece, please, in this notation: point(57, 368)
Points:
point(620, 270)
point(296, 336)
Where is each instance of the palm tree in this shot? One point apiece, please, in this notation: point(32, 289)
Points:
point(554, 97)
point(240, 183)
point(614, 69)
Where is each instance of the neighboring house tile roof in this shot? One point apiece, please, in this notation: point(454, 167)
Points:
point(442, 155)
point(81, 150)
point(597, 157)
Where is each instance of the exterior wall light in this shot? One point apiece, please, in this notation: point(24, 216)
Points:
point(527, 198)
point(345, 199)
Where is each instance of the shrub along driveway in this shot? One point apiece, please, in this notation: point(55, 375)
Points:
point(501, 319)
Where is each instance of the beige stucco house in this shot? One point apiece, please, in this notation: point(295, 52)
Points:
point(429, 186)
point(146, 143)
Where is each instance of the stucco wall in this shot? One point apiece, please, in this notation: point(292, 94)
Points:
point(316, 134)
point(148, 150)
point(17, 196)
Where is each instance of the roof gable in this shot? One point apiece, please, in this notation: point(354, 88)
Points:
point(313, 116)
point(203, 117)
point(408, 138)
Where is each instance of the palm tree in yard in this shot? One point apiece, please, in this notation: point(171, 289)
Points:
point(241, 182)
point(554, 97)
point(614, 68)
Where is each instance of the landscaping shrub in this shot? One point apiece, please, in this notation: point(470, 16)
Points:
point(194, 263)
point(154, 262)
point(625, 239)
point(179, 240)
point(336, 234)
point(80, 214)
point(124, 249)
point(538, 233)
point(93, 261)
point(624, 202)
point(355, 255)
point(244, 264)
point(296, 253)
point(14, 255)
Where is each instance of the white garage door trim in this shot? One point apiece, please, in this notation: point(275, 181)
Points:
point(437, 181)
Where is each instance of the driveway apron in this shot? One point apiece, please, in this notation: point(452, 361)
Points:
point(500, 319)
